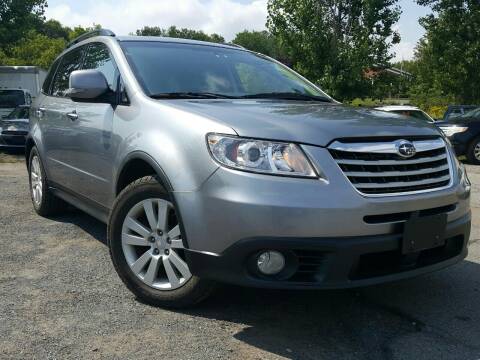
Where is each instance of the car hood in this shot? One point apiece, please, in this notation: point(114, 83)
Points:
point(304, 122)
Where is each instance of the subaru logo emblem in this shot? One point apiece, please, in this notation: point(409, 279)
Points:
point(406, 149)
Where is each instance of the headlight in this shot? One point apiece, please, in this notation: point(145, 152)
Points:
point(451, 130)
point(12, 128)
point(463, 177)
point(260, 156)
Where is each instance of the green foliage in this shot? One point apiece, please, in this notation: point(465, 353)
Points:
point(183, 33)
point(40, 47)
point(36, 49)
point(17, 18)
point(447, 58)
point(54, 30)
point(333, 42)
point(258, 41)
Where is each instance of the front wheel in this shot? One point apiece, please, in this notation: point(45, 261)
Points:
point(473, 153)
point(147, 248)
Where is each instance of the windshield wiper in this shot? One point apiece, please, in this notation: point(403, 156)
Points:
point(190, 95)
point(287, 96)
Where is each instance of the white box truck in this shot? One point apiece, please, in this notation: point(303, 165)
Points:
point(18, 85)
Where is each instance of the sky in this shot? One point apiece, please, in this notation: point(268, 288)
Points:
point(225, 17)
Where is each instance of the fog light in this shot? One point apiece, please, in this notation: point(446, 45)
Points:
point(270, 262)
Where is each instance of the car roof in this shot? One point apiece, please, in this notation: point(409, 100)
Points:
point(398, 107)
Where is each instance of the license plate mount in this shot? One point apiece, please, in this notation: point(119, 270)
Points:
point(424, 232)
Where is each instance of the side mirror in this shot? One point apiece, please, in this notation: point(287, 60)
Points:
point(87, 85)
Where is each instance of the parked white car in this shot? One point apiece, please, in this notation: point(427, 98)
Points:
point(406, 110)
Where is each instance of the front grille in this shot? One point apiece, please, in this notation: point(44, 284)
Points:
point(377, 168)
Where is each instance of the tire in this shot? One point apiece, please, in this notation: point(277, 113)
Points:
point(473, 148)
point(146, 247)
point(44, 201)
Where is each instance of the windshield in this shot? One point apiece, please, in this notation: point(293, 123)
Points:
point(11, 98)
point(19, 113)
point(414, 113)
point(169, 68)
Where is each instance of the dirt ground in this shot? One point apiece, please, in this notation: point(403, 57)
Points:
point(60, 298)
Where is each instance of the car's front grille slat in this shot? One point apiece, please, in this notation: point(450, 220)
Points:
point(402, 184)
point(392, 162)
point(396, 173)
point(377, 168)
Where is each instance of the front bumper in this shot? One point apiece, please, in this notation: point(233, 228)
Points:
point(13, 139)
point(329, 263)
point(236, 214)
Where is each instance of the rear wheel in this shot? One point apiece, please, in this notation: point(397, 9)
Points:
point(147, 248)
point(44, 202)
point(473, 153)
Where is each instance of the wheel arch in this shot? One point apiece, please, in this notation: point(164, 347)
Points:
point(136, 165)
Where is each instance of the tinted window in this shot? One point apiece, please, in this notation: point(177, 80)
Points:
point(48, 79)
point(11, 98)
point(166, 67)
point(98, 57)
point(71, 61)
point(19, 113)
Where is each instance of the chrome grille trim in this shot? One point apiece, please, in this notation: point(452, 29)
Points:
point(393, 162)
point(404, 183)
point(397, 173)
point(376, 168)
point(386, 147)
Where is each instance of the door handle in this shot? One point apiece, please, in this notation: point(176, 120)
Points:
point(40, 112)
point(72, 115)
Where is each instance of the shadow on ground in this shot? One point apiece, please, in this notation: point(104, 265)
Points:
point(431, 317)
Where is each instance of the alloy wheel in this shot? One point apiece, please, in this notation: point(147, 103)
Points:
point(36, 180)
point(152, 245)
point(476, 151)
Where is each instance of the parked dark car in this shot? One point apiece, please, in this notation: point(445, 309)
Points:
point(457, 110)
point(14, 128)
point(464, 134)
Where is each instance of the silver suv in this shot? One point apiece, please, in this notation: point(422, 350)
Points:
point(211, 163)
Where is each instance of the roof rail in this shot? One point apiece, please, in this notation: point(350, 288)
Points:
point(235, 45)
point(96, 32)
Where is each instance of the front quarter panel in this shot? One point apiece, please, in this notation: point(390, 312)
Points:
point(174, 139)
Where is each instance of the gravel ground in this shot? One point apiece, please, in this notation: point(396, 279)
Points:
point(60, 298)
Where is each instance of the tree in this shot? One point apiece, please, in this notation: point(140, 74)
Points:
point(53, 29)
point(36, 49)
point(42, 47)
point(258, 41)
point(182, 33)
point(448, 57)
point(333, 42)
point(17, 18)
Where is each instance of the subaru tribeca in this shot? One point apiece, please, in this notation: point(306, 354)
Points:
point(211, 163)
